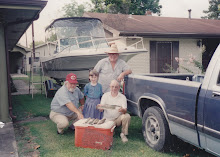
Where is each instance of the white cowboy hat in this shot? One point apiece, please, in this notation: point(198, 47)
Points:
point(113, 49)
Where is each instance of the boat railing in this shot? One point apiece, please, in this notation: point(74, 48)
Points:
point(81, 42)
point(73, 43)
point(138, 44)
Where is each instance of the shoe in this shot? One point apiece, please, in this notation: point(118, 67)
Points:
point(59, 133)
point(123, 137)
point(71, 127)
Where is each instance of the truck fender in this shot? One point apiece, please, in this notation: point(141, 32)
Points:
point(156, 99)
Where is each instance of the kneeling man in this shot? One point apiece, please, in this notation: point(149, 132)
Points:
point(118, 115)
point(65, 104)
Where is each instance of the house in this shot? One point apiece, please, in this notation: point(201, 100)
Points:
point(173, 44)
point(18, 57)
point(15, 17)
point(42, 50)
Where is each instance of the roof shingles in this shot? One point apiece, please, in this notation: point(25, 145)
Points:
point(156, 25)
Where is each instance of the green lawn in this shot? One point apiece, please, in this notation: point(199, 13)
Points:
point(40, 138)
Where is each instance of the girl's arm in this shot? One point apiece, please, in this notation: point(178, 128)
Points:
point(86, 90)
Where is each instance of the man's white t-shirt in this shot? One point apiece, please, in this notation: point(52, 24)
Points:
point(119, 100)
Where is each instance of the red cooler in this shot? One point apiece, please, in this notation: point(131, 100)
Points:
point(96, 136)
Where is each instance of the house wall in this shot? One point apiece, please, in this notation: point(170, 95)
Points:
point(187, 47)
point(43, 51)
point(4, 104)
point(108, 34)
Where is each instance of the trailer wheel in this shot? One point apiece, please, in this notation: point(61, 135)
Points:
point(49, 92)
point(155, 129)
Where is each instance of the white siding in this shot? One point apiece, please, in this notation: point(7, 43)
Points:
point(41, 51)
point(141, 63)
point(189, 47)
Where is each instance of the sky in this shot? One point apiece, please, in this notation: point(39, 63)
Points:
point(53, 10)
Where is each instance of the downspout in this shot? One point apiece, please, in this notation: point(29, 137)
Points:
point(8, 73)
point(8, 64)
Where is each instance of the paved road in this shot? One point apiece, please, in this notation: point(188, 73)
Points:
point(22, 88)
point(8, 146)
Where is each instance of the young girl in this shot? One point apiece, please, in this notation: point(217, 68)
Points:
point(93, 93)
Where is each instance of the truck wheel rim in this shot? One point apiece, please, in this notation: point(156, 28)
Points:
point(152, 129)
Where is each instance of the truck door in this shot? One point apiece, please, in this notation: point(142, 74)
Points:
point(212, 111)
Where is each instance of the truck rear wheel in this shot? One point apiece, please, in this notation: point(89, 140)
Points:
point(155, 129)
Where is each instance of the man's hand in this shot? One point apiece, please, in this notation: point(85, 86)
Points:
point(122, 110)
point(80, 116)
point(81, 108)
point(73, 108)
point(120, 77)
point(98, 107)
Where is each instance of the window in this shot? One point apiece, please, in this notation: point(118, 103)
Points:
point(35, 60)
point(162, 56)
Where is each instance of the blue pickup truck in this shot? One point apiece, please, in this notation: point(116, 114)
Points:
point(183, 105)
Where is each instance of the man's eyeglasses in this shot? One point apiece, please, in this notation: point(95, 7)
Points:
point(114, 86)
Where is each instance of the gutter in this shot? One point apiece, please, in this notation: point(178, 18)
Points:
point(22, 4)
point(169, 35)
point(8, 78)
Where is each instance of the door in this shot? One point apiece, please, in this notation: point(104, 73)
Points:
point(212, 112)
point(163, 53)
point(162, 56)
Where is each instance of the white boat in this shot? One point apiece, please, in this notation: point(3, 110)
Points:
point(80, 44)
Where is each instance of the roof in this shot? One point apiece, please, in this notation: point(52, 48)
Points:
point(17, 16)
point(21, 49)
point(45, 44)
point(157, 26)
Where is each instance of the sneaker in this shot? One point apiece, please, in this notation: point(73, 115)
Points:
point(123, 138)
point(59, 133)
point(71, 127)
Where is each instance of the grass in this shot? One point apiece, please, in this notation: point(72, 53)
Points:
point(37, 79)
point(25, 107)
point(40, 138)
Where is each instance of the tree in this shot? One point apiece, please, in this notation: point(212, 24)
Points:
point(36, 43)
point(213, 10)
point(99, 6)
point(73, 9)
point(52, 37)
point(137, 7)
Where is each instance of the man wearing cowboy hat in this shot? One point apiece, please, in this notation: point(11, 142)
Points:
point(111, 68)
point(64, 106)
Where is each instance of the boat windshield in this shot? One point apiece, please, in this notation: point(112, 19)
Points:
point(76, 33)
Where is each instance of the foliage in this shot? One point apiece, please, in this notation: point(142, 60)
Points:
point(169, 69)
point(99, 6)
point(118, 6)
point(36, 43)
point(52, 37)
point(136, 7)
point(213, 10)
point(74, 10)
point(139, 7)
point(182, 64)
point(191, 60)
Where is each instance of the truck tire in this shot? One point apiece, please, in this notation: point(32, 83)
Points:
point(155, 129)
